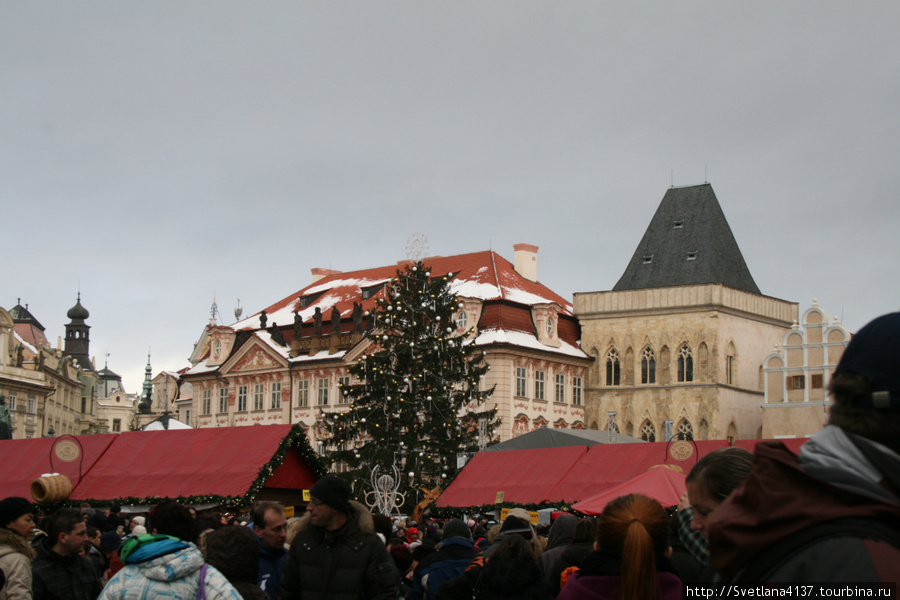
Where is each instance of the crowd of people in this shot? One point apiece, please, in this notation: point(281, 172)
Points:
point(829, 514)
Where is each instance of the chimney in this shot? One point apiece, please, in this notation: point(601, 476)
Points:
point(320, 273)
point(526, 261)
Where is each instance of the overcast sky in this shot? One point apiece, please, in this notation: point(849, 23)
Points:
point(158, 154)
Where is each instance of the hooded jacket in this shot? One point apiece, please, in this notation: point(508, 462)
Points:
point(348, 564)
point(561, 533)
point(836, 476)
point(233, 551)
point(449, 562)
point(166, 569)
point(16, 556)
point(499, 578)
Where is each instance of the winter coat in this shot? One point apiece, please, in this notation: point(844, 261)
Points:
point(233, 550)
point(599, 578)
point(571, 556)
point(16, 556)
point(449, 562)
point(175, 574)
point(499, 578)
point(271, 565)
point(837, 476)
point(348, 564)
point(58, 577)
point(561, 533)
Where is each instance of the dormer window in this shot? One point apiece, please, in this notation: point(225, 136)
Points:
point(648, 259)
point(461, 319)
point(305, 301)
point(370, 291)
point(692, 255)
point(218, 348)
point(550, 326)
point(679, 224)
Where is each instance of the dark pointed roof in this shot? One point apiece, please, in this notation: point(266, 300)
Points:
point(78, 312)
point(688, 242)
point(20, 314)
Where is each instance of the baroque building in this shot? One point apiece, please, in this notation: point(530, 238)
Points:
point(288, 362)
point(678, 343)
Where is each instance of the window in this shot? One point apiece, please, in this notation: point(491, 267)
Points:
point(521, 374)
point(648, 259)
point(117, 425)
point(729, 370)
point(576, 391)
point(538, 385)
point(796, 382)
point(259, 392)
point(648, 366)
point(685, 364)
point(31, 404)
point(550, 326)
point(818, 382)
point(323, 391)
point(276, 395)
point(187, 416)
point(560, 388)
point(692, 255)
point(303, 394)
point(206, 402)
point(648, 432)
point(461, 319)
point(684, 431)
point(12, 402)
point(223, 400)
point(613, 369)
point(242, 398)
point(679, 224)
point(343, 390)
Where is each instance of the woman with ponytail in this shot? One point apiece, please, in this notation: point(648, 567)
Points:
point(630, 558)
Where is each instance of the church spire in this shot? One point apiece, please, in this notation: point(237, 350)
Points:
point(147, 391)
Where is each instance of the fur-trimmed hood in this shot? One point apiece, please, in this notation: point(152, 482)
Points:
point(364, 520)
point(11, 542)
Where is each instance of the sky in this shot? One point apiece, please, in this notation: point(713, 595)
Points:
point(156, 156)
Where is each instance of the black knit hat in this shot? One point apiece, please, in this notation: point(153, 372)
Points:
point(516, 525)
point(455, 528)
point(872, 353)
point(333, 491)
point(12, 508)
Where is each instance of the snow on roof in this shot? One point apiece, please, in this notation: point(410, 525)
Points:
point(173, 424)
point(526, 340)
point(200, 367)
point(319, 356)
point(22, 341)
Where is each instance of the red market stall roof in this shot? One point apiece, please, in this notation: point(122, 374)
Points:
point(227, 465)
point(25, 460)
point(608, 465)
point(662, 484)
point(524, 476)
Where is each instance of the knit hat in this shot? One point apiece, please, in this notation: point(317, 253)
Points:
point(138, 530)
point(455, 528)
point(333, 491)
point(873, 354)
point(109, 541)
point(12, 508)
point(515, 525)
point(139, 520)
point(410, 533)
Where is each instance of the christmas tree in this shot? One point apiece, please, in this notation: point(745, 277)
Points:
point(416, 402)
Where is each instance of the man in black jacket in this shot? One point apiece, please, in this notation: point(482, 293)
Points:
point(59, 573)
point(336, 555)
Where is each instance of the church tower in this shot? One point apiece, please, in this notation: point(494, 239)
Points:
point(78, 336)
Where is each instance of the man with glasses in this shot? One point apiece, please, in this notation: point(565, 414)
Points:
point(270, 527)
point(336, 553)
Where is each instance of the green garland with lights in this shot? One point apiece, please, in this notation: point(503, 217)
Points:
point(296, 439)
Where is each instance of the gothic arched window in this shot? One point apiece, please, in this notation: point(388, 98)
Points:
point(613, 368)
point(648, 366)
point(684, 431)
point(685, 364)
point(648, 432)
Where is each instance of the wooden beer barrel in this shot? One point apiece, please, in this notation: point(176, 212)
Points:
point(52, 488)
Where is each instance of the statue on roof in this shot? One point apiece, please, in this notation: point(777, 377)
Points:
point(317, 320)
point(357, 316)
point(5, 423)
point(298, 324)
point(263, 319)
point(335, 320)
point(277, 336)
point(19, 356)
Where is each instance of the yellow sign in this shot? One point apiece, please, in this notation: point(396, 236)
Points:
point(499, 497)
point(288, 511)
point(306, 496)
point(533, 514)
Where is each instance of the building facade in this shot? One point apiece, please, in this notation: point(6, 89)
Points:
point(288, 363)
point(679, 342)
point(796, 375)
